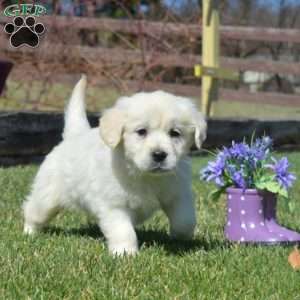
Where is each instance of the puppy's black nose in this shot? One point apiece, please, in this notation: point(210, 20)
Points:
point(159, 156)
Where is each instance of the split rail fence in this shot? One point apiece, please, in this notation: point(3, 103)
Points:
point(48, 52)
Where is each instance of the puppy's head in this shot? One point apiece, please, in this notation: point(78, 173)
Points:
point(155, 129)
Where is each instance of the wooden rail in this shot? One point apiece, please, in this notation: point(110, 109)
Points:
point(167, 28)
point(229, 95)
point(50, 52)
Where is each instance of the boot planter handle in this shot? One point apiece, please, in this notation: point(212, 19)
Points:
point(251, 218)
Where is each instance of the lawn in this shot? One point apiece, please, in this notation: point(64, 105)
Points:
point(21, 96)
point(70, 260)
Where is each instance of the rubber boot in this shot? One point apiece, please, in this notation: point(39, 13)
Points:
point(245, 218)
point(270, 205)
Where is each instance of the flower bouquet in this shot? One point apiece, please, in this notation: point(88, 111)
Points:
point(252, 179)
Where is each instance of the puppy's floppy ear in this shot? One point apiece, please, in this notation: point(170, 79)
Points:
point(111, 126)
point(200, 129)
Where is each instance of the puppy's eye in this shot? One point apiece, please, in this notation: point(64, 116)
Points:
point(142, 132)
point(175, 133)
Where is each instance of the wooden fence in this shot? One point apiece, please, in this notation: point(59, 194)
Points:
point(47, 52)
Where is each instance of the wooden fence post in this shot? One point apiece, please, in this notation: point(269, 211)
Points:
point(210, 70)
point(210, 53)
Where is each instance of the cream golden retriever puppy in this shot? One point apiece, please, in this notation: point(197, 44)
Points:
point(134, 163)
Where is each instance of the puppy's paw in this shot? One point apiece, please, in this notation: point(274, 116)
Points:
point(183, 236)
point(183, 232)
point(30, 229)
point(123, 250)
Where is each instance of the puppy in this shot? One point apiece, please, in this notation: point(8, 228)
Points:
point(121, 172)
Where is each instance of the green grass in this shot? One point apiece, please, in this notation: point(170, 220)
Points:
point(53, 97)
point(255, 111)
point(70, 260)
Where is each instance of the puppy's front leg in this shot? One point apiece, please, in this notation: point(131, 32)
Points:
point(181, 214)
point(118, 229)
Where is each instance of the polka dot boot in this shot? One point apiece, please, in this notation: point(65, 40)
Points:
point(246, 220)
point(269, 205)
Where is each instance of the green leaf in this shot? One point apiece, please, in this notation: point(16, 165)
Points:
point(291, 206)
point(265, 182)
point(272, 187)
point(216, 194)
point(260, 185)
point(252, 137)
point(283, 192)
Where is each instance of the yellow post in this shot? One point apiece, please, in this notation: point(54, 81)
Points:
point(210, 53)
point(210, 70)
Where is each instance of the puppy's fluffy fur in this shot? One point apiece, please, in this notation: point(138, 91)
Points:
point(135, 164)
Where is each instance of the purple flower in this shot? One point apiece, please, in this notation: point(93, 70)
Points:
point(236, 176)
point(261, 148)
point(239, 180)
point(239, 150)
point(280, 168)
point(225, 153)
point(214, 171)
point(241, 165)
point(266, 142)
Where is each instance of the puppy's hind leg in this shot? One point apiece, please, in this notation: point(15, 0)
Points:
point(41, 205)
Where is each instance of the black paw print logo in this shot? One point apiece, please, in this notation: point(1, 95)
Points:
point(24, 32)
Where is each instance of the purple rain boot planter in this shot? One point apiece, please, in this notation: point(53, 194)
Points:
point(269, 206)
point(246, 221)
point(252, 178)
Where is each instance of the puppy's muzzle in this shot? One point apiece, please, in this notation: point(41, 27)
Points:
point(159, 156)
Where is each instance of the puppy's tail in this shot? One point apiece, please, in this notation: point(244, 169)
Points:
point(76, 121)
